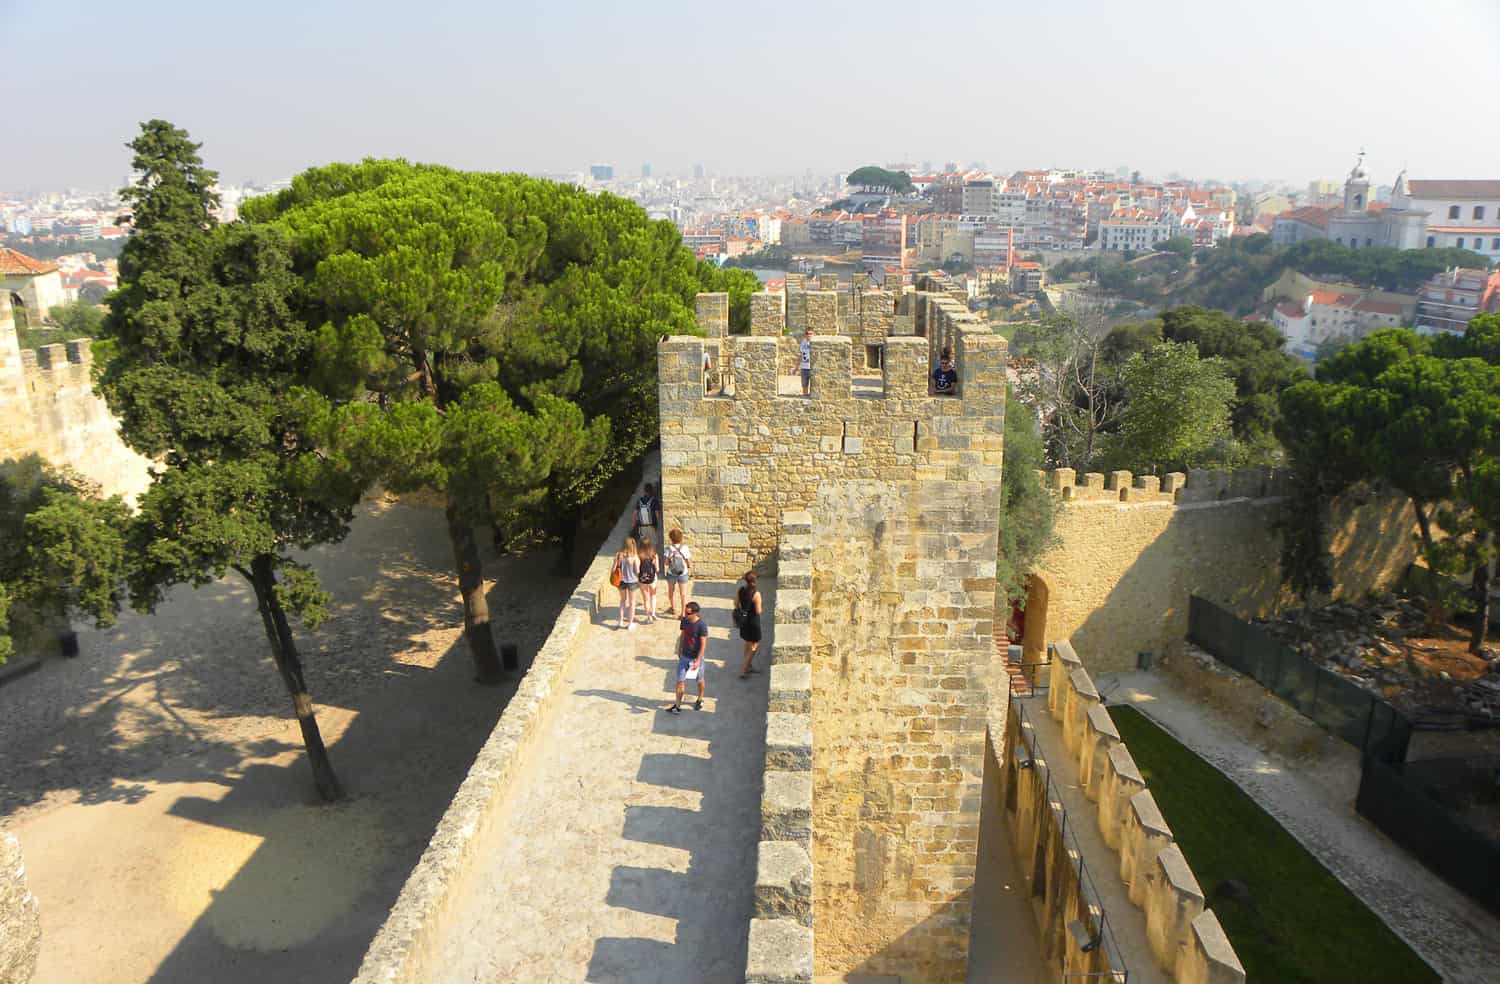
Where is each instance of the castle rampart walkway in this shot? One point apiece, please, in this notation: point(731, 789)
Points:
point(631, 846)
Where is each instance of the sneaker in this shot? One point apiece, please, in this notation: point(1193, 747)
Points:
point(674, 709)
point(698, 704)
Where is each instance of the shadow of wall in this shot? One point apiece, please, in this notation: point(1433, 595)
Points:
point(1120, 578)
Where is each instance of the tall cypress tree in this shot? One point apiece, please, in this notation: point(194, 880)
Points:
point(207, 373)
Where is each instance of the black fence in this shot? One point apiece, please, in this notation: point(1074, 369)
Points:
point(1359, 717)
point(1429, 807)
point(1407, 801)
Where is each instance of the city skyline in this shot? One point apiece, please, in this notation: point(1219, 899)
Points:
point(1197, 92)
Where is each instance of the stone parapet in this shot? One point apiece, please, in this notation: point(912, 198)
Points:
point(1195, 487)
point(734, 460)
point(712, 312)
point(780, 947)
point(20, 916)
point(1184, 937)
point(407, 949)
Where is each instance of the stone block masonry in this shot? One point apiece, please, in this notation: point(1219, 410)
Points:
point(732, 464)
point(1131, 549)
point(903, 606)
point(781, 931)
point(20, 917)
point(48, 407)
point(1181, 934)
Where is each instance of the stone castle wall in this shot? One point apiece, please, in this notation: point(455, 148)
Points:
point(48, 407)
point(1130, 551)
point(733, 462)
point(1183, 935)
point(20, 916)
point(902, 622)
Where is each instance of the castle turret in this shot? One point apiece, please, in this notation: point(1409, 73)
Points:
point(15, 404)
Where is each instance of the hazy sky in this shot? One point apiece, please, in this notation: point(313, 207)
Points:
point(1272, 88)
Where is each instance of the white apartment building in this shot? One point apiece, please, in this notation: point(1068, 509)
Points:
point(1134, 230)
point(1460, 214)
point(1323, 315)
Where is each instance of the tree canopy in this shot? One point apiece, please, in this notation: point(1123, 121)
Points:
point(209, 377)
point(881, 179)
point(1176, 410)
point(1420, 414)
point(504, 329)
point(1252, 355)
point(62, 549)
point(1027, 510)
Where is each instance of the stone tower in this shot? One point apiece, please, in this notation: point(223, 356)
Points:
point(901, 491)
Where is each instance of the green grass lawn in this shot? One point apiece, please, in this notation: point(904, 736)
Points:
point(1301, 923)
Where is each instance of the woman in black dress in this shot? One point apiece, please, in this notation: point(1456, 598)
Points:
point(749, 604)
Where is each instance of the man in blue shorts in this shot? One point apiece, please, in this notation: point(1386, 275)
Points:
point(692, 643)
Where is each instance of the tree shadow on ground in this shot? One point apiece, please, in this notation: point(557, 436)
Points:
point(193, 685)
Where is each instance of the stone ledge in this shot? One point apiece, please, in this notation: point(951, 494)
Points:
point(794, 575)
point(789, 742)
point(786, 807)
point(783, 882)
point(20, 916)
point(793, 607)
point(1212, 959)
point(781, 952)
point(793, 644)
point(791, 688)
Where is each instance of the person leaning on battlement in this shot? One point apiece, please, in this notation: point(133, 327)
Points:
point(945, 376)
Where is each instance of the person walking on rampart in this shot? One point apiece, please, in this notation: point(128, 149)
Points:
point(806, 361)
point(945, 376)
point(647, 514)
point(628, 566)
point(748, 605)
point(677, 568)
point(692, 644)
point(649, 564)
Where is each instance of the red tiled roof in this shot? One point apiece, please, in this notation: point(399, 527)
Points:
point(1290, 308)
point(13, 263)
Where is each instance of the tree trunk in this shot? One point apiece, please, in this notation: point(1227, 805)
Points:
point(289, 665)
point(471, 586)
point(1424, 527)
point(1482, 590)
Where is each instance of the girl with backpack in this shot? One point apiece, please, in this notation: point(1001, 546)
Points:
point(747, 616)
point(649, 564)
point(647, 512)
point(676, 567)
point(628, 567)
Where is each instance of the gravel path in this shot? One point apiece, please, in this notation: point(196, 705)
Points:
point(1313, 798)
point(159, 790)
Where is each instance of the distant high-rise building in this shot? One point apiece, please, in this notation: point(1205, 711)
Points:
point(697, 170)
point(645, 170)
point(602, 172)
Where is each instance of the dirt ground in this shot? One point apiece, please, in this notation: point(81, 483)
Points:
point(159, 790)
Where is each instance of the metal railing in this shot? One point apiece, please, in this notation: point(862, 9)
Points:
point(1028, 678)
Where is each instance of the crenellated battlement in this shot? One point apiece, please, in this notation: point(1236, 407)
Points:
point(1194, 486)
point(734, 460)
point(48, 407)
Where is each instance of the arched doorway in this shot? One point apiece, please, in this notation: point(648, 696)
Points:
point(1034, 619)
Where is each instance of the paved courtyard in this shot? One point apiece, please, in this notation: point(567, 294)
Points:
point(632, 846)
